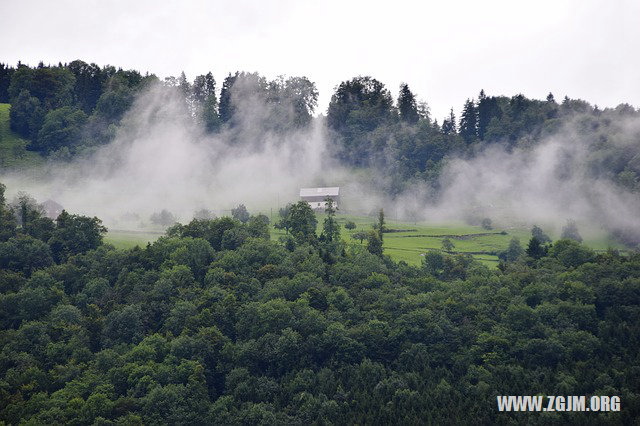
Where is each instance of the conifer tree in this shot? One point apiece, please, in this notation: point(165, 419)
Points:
point(449, 124)
point(469, 122)
point(407, 105)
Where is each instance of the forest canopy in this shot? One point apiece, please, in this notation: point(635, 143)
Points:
point(215, 323)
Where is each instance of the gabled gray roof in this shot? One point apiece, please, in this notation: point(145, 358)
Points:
point(332, 191)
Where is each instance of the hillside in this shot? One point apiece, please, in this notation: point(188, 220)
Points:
point(12, 147)
point(405, 241)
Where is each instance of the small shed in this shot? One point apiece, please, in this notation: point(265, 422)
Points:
point(316, 196)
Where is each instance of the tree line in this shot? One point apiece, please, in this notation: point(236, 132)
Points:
point(67, 109)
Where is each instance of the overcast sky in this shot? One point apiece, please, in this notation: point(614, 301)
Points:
point(446, 51)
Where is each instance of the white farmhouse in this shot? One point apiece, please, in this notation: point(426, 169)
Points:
point(316, 196)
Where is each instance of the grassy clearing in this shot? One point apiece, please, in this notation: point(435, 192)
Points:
point(417, 238)
point(410, 242)
point(12, 147)
point(129, 239)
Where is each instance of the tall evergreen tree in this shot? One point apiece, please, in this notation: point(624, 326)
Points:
point(407, 105)
point(330, 227)
point(183, 85)
point(5, 79)
point(449, 124)
point(488, 108)
point(380, 225)
point(226, 108)
point(203, 87)
point(469, 122)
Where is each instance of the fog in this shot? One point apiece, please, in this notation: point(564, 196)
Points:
point(161, 159)
point(547, 185)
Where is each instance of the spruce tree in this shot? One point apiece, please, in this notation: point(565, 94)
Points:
point(449, 124)
point(330, 227)
point(469, 122)
point(407, 105)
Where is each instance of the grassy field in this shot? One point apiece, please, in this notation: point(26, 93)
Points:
point(408, 241)
point(12, 147)
point(129, 239)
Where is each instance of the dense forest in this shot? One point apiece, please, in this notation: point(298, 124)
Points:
point(217, 324)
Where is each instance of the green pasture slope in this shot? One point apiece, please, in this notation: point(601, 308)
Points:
point(13, 154)
point(407, 241)
point(129, 239)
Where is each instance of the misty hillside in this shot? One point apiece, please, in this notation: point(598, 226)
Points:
point(108, 132)
point(157, 265)
point(69, 109)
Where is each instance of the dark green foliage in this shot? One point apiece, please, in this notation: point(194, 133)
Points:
point(539, 234)
point(7, 219)
point(407, 105)
point(209, 114)
point(61, 128)
point(65, 108)
point(350, 225)
point(116, 99)
point(258, 226)
point(330, 227)
point(360, 235)
point(186, 331)
point(52, 86)
point(447, 245)
point(535, 249)
point(469, 122)
point(26, 115)
point(571, 253)
point(88, 84)
point(374, 243)
point(75, 234)
point(6, 71)
point(24, 254)
point(379, 227)
point(449, 124)
point(359, 107)
point(362, 99)
point(488, 109)
point(211, 230)
point(301, 222)
point(226, 109)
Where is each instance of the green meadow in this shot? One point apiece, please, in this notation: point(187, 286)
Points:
point(406, 241)
point(12, 147)
point(123, 239)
